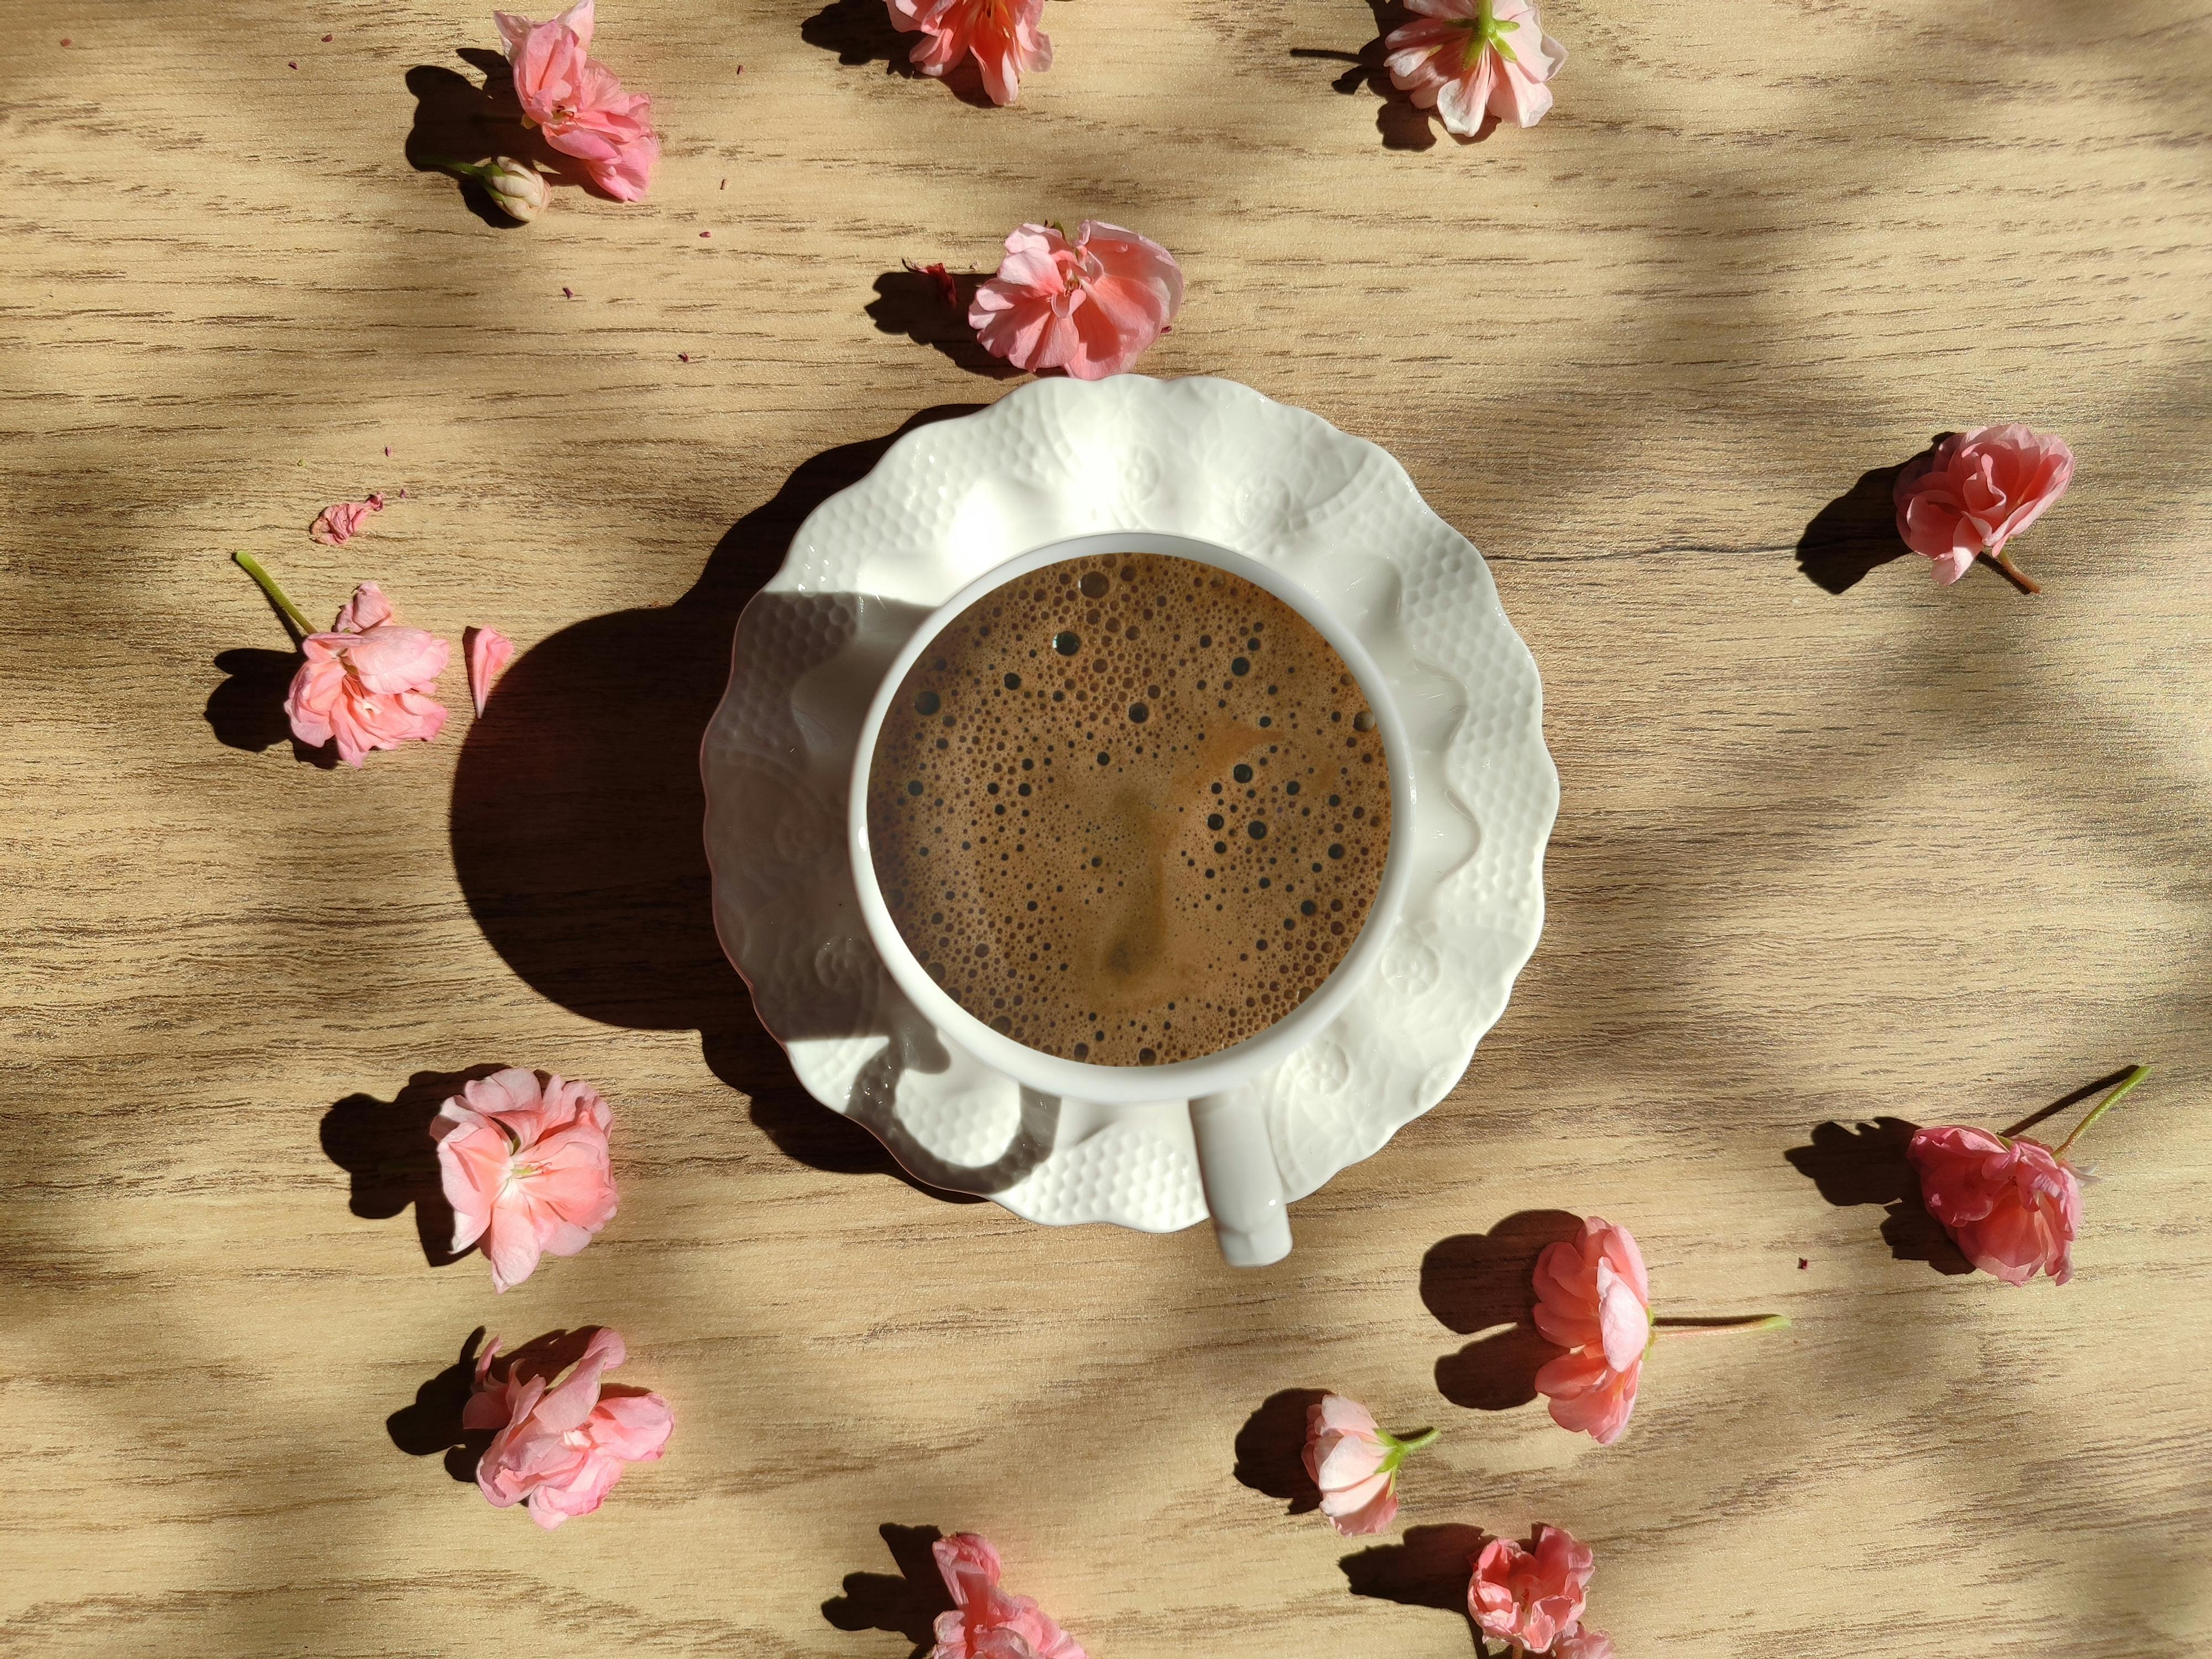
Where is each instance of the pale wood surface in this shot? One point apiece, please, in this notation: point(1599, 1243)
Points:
point(1897, 851)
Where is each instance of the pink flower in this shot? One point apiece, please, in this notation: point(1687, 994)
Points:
point(1584, 1644)
point(578, 102)
point(986, 1622)
point(487, 652)
point(368, 682)
point(1463, 58)
point(523, 1162)
point(2013, 1206)
point(1355, 1464)
point(1593, 1299)
point(1002, 34)
point(340, 522)
point(1090, 307)
point(1532, 1597)
point(1975, 491)
point(559, 1448)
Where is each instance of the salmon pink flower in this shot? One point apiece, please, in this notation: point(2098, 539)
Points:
point(1355, 1464)
point(2011, 1206)
point(1467, 58)
point(1531, 1596)
point(1593, 1299)
point(985, 1621)
point(1003, 35)
point(487, 652)
point(341, 521)
point(1090, 307)
point(579, 103)
point(561, 1446)
point(367, 685)
point(523, 1162)
point(1975, 491)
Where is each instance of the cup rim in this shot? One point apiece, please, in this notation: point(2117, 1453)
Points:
point(1225, 1069)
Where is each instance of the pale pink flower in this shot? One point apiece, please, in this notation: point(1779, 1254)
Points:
point(1593, 1299)
point(1090, 307)
point(1003, 35)
point(1464, 58)
point(986, 1622)
point(579, 103)
point(1355, 1463)
point(523, 1162)
point(1975, 491)
point(1584, 1643)
point(366, 684)
point(1533, 1596)
point(341, 521)
point(562, 1447)
point(487, 652)
point(2014, 1206)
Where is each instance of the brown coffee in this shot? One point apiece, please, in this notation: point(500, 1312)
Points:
point(1129, 809)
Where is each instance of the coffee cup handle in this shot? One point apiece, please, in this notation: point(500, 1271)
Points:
point(1244, 1188)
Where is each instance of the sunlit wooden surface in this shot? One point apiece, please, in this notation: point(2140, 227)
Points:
point(1823, 857)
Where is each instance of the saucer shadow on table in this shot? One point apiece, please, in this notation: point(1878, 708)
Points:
point(1430, 1568)
point(432, 1425)
point(1865, 1163)
point(910, 302)
point(1476, 1282)
point(385, 1146)
point(906, 1603)
point(1271, 1449)
point(597, 893)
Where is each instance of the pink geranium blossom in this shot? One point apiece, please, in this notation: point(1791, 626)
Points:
point(561, 1447)
point(487, 652)
point(986, 1622)
point(2014, 1206)
point(1090, 307)
point(1975, 491)
point(1003, 35)
point(524, 1162)
point(1467, 58)
point(366, 684)
point(1593, 1299)
point(1531, 1596)
point(341, 521)
point(1355, 1462)
point(579, 103)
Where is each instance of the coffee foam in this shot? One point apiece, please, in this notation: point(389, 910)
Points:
point(1129, 809)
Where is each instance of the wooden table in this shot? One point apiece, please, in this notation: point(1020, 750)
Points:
point(1836, 845)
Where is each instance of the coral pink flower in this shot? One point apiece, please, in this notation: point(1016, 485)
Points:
point(986, 1622)
point(1002, 34)
point(1355, 1464)
point(1584, 1644)
point(366, 684)
point(1593, 1299)
point(1463, 58)
point(1090, 307)
point(1532, 1597)
point(524, 1162)
point(2013, 1206)
point(341, 522)
point(578, 102)
point(562, 1447)
point(1975, 491)
point(487, 652)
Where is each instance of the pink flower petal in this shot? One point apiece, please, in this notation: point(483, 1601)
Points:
point(341, 521)
point(487, 652)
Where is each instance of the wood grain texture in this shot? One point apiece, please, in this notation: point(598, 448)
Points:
point(1822, 858)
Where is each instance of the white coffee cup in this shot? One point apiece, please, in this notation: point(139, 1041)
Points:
point(1244, 1187)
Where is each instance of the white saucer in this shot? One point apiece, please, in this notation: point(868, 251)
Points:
point(1056, 459)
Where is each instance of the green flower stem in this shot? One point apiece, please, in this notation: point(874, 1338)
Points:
point(2001, 562)
point(2104, 1106)
point(251, 567)
point(1413, 1443)
point(1719, 1326)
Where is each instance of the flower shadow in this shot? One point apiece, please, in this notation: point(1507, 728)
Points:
point(906, 1603)
point(911, 303)
point(1271, 1449)
point(386, 1147)
point(432, 1425)
point(246, 710)
point(1854, 534)
point(862, 31)
point(1865, 1163)
point(1430, 1568)
point(1402, 123)
point(458, 120)
point(1476, 1282)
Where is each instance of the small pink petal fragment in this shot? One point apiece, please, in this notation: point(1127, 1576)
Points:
point(291, 66)
point(704, 234)
point(339, 524)
point(568, 293)
point(1090, 307)
point(948, 287)
point(327, 40)
point(487, 652)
